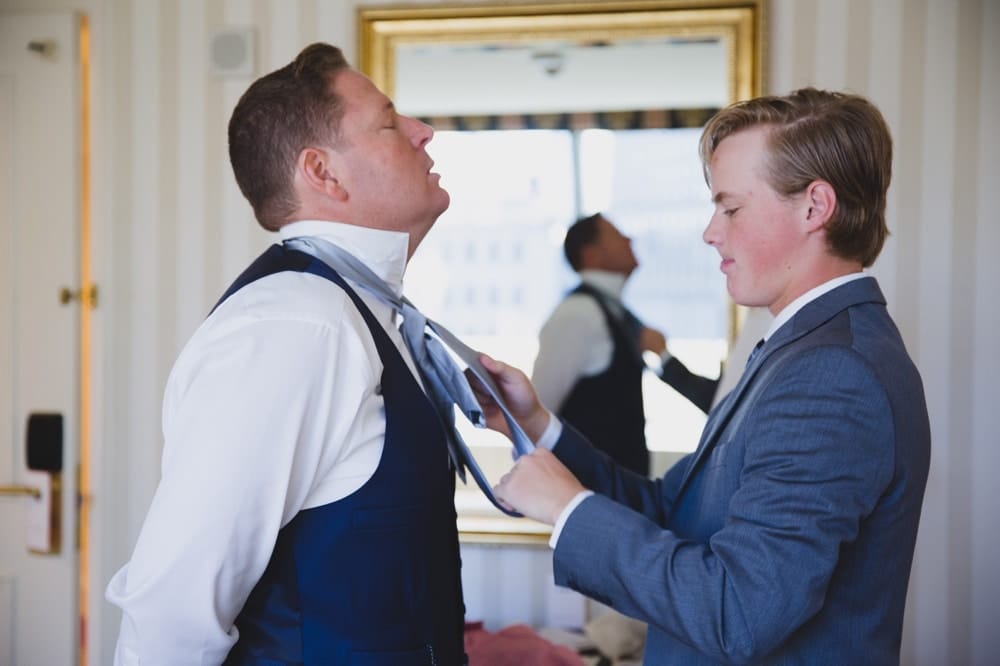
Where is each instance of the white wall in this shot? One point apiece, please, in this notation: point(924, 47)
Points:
point(171, 230)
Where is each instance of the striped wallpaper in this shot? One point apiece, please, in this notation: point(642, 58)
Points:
point(172, 229)
point(933, 67)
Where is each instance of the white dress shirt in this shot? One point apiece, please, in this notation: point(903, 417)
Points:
point(272, 407)
point(575, 341)
point(792, 308)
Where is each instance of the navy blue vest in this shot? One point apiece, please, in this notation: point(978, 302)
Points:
point(374, 578)
point(607, 408)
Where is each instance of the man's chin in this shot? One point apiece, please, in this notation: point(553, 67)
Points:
point(440, 207)
point(446, 199)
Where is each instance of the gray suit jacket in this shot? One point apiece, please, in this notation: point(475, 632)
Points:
point(787, 537)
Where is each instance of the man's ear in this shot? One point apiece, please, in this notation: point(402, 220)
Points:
point(822, 201)
point(316, 170)
point(590, 256)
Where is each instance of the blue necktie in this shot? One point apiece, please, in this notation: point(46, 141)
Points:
point(754, 353)
point(444, 381)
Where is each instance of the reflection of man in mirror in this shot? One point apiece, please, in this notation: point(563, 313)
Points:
point(589, 365)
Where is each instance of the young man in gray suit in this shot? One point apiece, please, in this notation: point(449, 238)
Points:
point(787, 536)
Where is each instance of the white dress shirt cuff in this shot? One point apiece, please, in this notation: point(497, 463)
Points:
point(564, 516)
point(551, 435)
point(665, 356)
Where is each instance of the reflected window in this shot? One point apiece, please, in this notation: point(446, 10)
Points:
point(519, 190)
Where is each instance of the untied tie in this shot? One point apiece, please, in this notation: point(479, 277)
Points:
point(444, 381)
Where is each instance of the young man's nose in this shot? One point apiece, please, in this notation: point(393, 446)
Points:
point(711, 233)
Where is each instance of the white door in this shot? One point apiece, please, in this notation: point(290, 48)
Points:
point(40, 203)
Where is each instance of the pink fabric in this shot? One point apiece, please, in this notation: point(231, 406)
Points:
point(516, 645)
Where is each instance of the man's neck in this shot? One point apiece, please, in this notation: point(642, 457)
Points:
point(807, 297)
point(606, 282)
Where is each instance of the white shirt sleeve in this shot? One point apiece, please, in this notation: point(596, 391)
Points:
point(575, 342)
point(258, 414)
point(564, 516)
point(550, 436)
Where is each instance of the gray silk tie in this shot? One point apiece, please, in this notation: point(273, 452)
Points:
point(444, 381)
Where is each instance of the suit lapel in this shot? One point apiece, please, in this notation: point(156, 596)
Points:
point(719, 417)
point(812, 315)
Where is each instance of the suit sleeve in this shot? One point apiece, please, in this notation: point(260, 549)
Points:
point(816, 455)
point(598, 472)
point(699, 390)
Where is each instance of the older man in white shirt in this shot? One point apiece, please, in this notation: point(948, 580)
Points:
point(306, 508)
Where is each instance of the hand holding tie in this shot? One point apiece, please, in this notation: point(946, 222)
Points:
point(538, 486)
point(652, 340)
point(446, 385)
point(517, 393)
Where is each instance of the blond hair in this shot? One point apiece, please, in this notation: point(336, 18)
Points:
point(814, 135)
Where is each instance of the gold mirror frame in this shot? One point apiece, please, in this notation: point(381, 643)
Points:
point(383, 30)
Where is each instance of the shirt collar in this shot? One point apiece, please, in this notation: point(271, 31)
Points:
point(792, 308)
point(384, 252)
point(606, 282)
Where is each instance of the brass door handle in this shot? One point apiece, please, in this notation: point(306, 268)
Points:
point(43, 515)
point(20, 490)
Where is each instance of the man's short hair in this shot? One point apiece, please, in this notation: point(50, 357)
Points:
point(581, 233)
point(814, 135)
point(278, 116)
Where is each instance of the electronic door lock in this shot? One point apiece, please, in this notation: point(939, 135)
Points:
point(44, 457)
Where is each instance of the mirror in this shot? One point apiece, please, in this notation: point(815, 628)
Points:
point(562, 76)
point(390, 37)
point(588, 73)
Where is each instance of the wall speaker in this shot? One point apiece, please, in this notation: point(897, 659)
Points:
point(231, 52)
